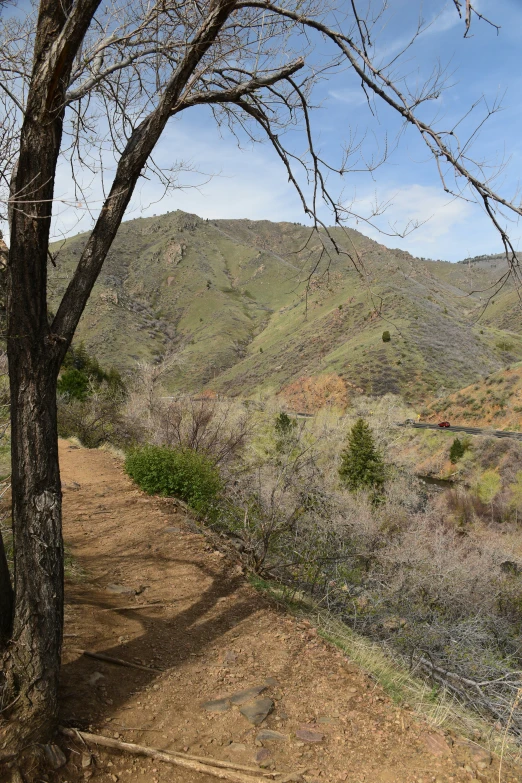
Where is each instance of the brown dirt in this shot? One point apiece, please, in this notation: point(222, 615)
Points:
point(479, 405)
point(311, 393)
point(213, 635)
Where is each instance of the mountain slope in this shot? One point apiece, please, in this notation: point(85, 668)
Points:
point(494, 402)
point(231, 298)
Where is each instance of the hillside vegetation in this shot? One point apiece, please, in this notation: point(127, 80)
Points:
point(228, 300)
point(494, 401)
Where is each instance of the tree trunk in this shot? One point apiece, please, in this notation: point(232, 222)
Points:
point(32, 661)
point(6, 597)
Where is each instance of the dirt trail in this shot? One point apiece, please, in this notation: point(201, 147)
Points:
point(212, 636)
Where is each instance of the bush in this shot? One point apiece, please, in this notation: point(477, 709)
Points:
point(180, 473)
point(74, 384)
point(386, 337)
point(82, 372)
point(212, 427)
point(96, 420)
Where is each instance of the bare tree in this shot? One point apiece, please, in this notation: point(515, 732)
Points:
point(82, 75)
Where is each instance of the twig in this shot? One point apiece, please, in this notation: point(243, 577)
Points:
point(132, 606)
point(119, 661)
point(513, 707)
point(210, 767)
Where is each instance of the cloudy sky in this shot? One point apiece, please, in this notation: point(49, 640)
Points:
point(248, 181)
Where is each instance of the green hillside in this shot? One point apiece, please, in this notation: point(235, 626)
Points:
point(229, 297)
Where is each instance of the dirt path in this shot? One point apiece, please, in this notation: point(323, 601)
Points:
point(212, 636)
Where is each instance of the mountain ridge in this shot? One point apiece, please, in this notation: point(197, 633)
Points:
point(231, 301)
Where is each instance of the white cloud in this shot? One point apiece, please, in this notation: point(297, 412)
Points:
point(449, 228)
point(353, 97)
point(252, 183)
point(226, 182)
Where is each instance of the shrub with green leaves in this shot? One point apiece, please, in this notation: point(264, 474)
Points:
point(386, 337)
point(180, 473)
point(74, 383)
point(81, 372)
point(362, 466)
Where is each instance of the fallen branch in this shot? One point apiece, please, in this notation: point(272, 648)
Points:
point(119, 661)
point(203, 759)
point(219, 769)
point(132, 606)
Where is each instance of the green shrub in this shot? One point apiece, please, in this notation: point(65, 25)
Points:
point(386, 337)
point(504, 345)
point(488, 486)
point(82, 372)
point(74, 384)
point(180, 473)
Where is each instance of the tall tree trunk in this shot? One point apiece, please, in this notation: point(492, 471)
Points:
point(32, 662)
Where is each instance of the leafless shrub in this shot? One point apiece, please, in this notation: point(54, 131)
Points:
point(213, 426)
point(97, 420)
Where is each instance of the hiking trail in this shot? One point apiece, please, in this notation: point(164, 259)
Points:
point(153, 591)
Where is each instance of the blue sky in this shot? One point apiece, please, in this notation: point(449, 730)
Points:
point(250, 182)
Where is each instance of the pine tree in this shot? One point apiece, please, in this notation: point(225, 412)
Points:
point(362, 466)
point(457, 451)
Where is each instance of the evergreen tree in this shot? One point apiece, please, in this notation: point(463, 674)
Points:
point(362, 466)
point(457, 451)
point(285, 431)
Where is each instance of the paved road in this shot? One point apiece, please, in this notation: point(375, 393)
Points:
point(469, 430)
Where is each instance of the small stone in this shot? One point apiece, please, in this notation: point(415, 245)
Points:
point(262, 755)
point(55, 756)
point(241, 697)
point(257, 711)
point(86, 760)
point(271, 682)
point(229, 657)
point(309, 735)
point(216, 705)
point(95, 677)
point(114, 778)
point(436, 744)
point(237, 747)
point(120, 589)
point(267, 735)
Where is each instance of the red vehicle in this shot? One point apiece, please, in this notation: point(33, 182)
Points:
point(444, 424)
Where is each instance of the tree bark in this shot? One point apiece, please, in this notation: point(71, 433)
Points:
point(31, 663)
point(32, 660)
point(6, 597)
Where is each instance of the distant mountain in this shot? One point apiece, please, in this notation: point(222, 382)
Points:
point(231, 297)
